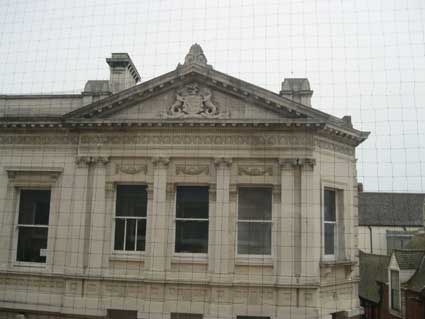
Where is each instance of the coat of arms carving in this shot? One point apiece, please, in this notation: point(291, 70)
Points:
point(193, 101)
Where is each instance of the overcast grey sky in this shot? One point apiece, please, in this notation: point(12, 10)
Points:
point(365, 58)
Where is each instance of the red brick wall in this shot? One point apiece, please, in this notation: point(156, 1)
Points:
point(415, 306)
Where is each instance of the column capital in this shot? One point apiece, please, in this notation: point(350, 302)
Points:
point(291, 163)
point(160, 161)
point(83, 161)
point(223, 161)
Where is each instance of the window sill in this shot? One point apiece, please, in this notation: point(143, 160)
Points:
point(187, 258)
point(254, 260)
point(396, 313)
point(335, 263)
point(24, 264)
point(127, 256)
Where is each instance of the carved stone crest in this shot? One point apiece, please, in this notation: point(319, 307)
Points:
point(193, 101)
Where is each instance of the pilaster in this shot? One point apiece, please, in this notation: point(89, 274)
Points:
point(221, 260)
point(309, 221)
point(287, 225)
point(159, 220)
point(93, 170)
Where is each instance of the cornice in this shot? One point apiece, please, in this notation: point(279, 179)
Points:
point(93, 115)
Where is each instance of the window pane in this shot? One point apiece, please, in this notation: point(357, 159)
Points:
point(34, 207)
point(30, 241)
point(255, 203)
point(329, 239)
point(131, 200)
point(130, 236)
point(191, 236)
point(254, 238)
point(330, 205)
point(119, 234)
point(121, 314)
point(192, 202)
point(395, 292)
point(141, 234)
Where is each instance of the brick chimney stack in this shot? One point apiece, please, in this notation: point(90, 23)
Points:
point(123, 73)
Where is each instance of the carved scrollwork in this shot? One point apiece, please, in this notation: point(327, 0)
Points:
point(192, 170)
point(255, 170)
point(131, 169)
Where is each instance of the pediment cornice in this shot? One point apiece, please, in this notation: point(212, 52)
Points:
point(95, 115)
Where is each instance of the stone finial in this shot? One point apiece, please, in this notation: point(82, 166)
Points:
point(196, 56)
point(297, 90)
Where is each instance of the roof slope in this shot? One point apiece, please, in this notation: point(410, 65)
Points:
point(372, 270)
point(417, 282)
point(409, 258)
point(391, 209)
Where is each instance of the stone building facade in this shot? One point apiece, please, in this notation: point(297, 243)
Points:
point(191, 195)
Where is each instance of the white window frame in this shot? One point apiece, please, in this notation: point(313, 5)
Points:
point(335, 223)
point(125, 218)
point(248, 256)
point(17, 226)
point(390, 295)
point(190, 256)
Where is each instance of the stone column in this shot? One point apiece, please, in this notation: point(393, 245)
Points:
point(221, 254)
point(93, 197)
point(97, 232)
point(287, 241)
point(309, 221)
point(159, 220)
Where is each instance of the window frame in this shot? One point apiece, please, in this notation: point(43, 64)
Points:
point(15, 260)
point(334, 223)
point(191, 256)
point(134, 252)
point(255, 256)
point(390, 294)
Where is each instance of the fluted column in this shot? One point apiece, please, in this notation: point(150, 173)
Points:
point(159, 228)
point(221, 256)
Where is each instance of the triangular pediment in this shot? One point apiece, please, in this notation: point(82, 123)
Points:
point(195, 100)
point(194, 92)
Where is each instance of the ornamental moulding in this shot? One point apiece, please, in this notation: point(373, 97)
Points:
point(192, 170)
point(255, 170)
point(266, 140)
point(130, 169)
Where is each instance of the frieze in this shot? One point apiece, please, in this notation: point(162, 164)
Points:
point(334, 147)
point(39, 139)
point(255, 170)
point(192, 170)
point(130, 169)
point(266, 140)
